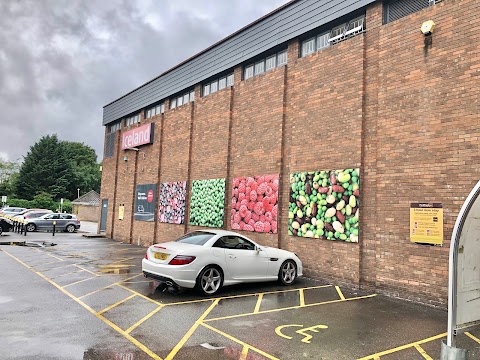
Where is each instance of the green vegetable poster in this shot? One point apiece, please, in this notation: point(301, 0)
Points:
point(207, 203)
point(325, 204)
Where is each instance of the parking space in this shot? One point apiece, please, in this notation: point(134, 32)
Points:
point(255, 321)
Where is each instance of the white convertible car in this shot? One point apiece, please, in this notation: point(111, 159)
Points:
point(208, 260)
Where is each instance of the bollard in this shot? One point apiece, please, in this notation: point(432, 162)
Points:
point(53, 232)
point(25, 226)
point(21, 228)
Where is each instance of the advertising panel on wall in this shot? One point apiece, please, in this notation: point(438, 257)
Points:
point(324, 204)
point(255, 203)
point(145, 202)
point(207, 203)
point(172, 202)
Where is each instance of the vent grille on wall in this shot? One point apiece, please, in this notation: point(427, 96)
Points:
point(401, 8)
point(110, 145)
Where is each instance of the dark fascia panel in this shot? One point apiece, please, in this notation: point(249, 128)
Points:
point(291, 21)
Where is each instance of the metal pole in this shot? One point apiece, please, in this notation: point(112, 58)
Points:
point(54, 223)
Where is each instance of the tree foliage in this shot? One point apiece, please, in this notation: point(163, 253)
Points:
point(58, 168)
point(8, 175)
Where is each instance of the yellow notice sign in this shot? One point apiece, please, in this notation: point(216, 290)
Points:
point(426, 223)
point(121, 212)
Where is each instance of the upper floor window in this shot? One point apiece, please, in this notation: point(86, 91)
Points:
point(338, 33)
point(217, 84)
point(182, 99)
point(132, 120)
point(155, 110)
point(267, 64)
point(114, 127)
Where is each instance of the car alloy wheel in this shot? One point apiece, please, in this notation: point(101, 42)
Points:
point(30, 227)
point(288, 272)
point(70, 228)
point(210, 280)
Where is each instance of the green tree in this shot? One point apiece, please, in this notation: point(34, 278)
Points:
point(86, 170)
point(46, 168)
point(8, 176)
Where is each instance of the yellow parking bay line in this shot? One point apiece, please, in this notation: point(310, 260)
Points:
point(259, 302)
point(340, 293)
point(191, 331)
point(79, 281)
point(244, 354)
point(116, 304)
point(291, 308)
point(139, 294)
point(302, 297)
point(239, 342)
point(141, 321)
point(472, 337)
point(56, 257)
point(246, 295)
point(101, 317)
point(91, 272)
point(422, 352)
point(403, 347)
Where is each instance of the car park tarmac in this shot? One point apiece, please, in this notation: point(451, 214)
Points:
point(86, 298)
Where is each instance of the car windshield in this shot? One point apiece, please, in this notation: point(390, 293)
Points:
point(196, 238)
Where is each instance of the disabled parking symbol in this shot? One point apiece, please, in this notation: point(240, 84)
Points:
point(303, 331)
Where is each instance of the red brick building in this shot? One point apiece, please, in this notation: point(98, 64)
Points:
point(361, 88)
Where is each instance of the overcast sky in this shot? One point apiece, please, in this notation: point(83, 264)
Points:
point(61, 61)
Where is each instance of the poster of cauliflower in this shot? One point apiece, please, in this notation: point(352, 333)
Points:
point(324, 204)
point(207, 203)
point(171, 208)
point(255, 204)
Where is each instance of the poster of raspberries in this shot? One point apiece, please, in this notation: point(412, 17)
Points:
point(172, 202)
point(324, 204)
point(207, 203)
point(255, 203)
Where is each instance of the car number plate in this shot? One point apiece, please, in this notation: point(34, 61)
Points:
point(160, 256)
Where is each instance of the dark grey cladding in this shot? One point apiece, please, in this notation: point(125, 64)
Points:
point(290, 21)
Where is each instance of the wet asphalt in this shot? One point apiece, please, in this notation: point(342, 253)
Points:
point(85, 298)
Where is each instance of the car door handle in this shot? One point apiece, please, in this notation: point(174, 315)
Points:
point(231, 256)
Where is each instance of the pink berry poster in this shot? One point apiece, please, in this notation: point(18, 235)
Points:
point(172, 202)
point(255, 203)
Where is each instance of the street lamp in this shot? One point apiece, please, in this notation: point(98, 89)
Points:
point(78, 192)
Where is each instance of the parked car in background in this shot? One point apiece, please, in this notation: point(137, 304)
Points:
point(11, 211)
point(32, 214)
point(211, 259)
point(5, 225)
point(63, 222)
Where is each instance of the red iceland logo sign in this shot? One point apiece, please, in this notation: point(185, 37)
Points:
point(150, 196)
point(136, 137)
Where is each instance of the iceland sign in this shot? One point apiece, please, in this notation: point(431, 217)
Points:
point(138, 136)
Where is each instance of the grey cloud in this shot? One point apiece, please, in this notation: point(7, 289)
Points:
point(61, 61)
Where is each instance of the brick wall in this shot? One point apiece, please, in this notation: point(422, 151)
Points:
point(428, 140)
point(404, 112)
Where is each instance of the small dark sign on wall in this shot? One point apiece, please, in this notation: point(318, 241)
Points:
point(145, 202)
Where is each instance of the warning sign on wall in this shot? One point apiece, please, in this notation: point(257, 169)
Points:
point(426, 223)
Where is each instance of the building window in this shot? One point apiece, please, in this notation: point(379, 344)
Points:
point(230, 80)
point(322, 41)
point(213, 87)
point(183, 99)
point(206, 90)
point(132, 120)
point(217, 84)
point(282, 58)
point(222, 83)
point(114, 127)
point(263, 65)
point(308, 47)
point(248, 72)
point(348, 30)
point(155, 110)
point(260, 67)
point(271, 63)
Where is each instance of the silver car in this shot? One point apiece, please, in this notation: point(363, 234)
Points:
point(63, 222)
point(11, 211)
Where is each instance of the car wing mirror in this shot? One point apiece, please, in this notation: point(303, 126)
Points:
point(258, 249)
